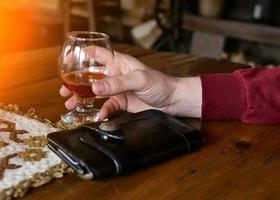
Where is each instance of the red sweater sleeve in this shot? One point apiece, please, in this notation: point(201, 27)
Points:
point(250, 95)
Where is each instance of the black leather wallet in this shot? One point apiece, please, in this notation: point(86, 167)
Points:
point(124, 144)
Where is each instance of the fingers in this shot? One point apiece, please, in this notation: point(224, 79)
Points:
point(133, 81)
point(102, 97)
point(64, 91)
point(111, 106)
point(91, 53)
point(99, 54)
point(71, 103)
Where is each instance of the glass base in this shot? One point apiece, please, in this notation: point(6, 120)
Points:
point(77, 118)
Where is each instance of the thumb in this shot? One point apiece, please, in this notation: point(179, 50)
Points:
point(132, 81)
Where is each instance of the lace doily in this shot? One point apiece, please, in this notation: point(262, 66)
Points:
point(25, 160)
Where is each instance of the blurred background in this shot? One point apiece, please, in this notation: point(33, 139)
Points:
point(243, 31)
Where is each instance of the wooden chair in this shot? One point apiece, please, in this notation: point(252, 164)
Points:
point(102, 15)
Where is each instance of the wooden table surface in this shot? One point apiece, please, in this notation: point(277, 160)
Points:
point(224, 168)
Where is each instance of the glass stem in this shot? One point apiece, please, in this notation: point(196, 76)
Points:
point(85, 105)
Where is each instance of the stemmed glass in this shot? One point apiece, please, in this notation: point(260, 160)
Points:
point(79, 67)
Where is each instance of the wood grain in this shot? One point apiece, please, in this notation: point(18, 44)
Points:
point(238, 161)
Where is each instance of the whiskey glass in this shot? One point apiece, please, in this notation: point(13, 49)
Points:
point(79, 67)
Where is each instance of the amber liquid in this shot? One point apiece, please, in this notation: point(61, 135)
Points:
point(80, 81)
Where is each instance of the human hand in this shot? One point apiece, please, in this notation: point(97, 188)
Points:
point(135, 87)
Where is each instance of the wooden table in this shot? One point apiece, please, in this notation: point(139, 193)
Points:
point(221, 169)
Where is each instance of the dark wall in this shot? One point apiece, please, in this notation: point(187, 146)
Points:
point(275, 13)
point(243, 10)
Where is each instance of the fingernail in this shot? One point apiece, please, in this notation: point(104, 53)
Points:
point(61, 91)
point(98, 117)
point(101, 116)
point(99, 87)
point(67, 105)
